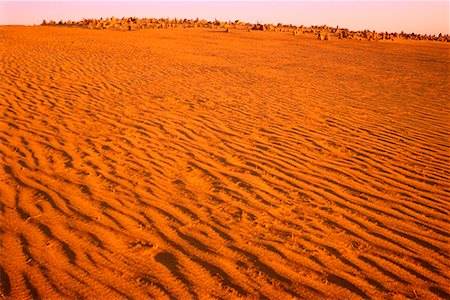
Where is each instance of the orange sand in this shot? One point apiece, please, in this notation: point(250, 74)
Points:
point(194, 163)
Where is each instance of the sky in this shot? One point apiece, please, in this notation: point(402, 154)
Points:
point(393, 16)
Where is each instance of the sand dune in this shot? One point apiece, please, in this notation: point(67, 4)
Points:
point(193, 163)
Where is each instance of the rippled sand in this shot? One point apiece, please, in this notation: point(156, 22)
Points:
point(194, 163)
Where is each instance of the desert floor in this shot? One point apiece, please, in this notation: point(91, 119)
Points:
point(194, 163)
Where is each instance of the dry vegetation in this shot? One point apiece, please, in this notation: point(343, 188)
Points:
point(322, 32)
point(194, 163)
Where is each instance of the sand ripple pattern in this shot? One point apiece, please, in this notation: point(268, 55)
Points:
point(192, 164)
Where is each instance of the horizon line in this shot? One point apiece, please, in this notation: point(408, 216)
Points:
point(423, 17)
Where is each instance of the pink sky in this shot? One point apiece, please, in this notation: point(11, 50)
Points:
point(409, 16)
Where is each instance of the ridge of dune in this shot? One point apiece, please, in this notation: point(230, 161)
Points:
point(198, 164)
